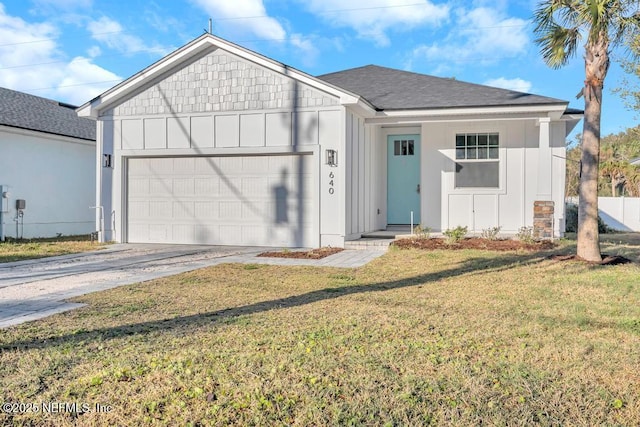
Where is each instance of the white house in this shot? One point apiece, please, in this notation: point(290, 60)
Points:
point(47, 160)
point(216, 144)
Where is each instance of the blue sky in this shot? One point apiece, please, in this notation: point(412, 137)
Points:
point(73, 50)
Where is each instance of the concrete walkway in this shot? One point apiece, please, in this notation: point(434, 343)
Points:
point(34, 289)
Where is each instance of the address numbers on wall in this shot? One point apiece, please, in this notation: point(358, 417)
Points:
point(331, 184)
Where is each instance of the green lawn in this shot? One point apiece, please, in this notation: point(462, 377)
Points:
point(414, 338)
point(41, 248)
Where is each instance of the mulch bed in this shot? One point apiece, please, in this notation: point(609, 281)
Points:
point(318, 253)
point(606, 259)
point(503, 245)
point(474, 243)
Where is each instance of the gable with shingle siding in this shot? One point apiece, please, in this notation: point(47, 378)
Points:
point(221, 81)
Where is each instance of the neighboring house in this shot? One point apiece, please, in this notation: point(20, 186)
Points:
point(47, 159)
point(216, 144)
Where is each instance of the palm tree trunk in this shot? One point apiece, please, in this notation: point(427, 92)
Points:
point(596, 66)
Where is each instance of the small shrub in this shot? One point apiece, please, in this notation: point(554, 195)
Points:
point(422, 232)
point(525, 234)
point(455, 235)
point(491, 233)
point(571, 222)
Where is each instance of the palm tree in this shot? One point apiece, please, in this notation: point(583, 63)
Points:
point(633, 181)
point(603, 24)
point(616, 171)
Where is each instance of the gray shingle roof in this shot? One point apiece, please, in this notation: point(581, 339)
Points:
point(390, 89)
point(21, 110)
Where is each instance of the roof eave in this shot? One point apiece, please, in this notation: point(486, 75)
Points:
point(572, 119)
point(555, 111)
point(31, 131)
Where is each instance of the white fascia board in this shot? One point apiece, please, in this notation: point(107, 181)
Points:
point(362, 108)
point(207, 42)
point(540, 109)
point(479, 113)
point(46, 135)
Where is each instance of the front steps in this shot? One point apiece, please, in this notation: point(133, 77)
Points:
point(368, 243)
point(380, 239)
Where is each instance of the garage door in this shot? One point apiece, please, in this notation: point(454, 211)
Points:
point(248, 200)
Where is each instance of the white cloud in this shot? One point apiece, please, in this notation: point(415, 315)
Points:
point(308, 50)
point(519, 85)
point(64, 4)
point(373, 20)
point(83, 80)
point(226, 16)
point(111, 33)
point(31, 61)
point(94, 51)
point(481, 35)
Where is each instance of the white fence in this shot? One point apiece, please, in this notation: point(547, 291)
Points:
point(619, 213)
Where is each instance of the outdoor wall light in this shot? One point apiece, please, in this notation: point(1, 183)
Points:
point(106, 161)
point(332, 158)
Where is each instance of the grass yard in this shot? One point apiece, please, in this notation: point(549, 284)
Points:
point(459, 338)
point(41, 248)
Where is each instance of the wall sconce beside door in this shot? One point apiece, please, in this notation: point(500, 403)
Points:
point(332, 158)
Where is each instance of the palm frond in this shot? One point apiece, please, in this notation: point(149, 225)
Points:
point(558, 45)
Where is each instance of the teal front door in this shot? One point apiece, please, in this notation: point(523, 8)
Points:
point(403, 179)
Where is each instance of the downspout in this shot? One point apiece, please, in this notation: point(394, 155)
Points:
point(4, 208)
point(98, 207)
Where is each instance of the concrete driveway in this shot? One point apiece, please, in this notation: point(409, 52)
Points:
point(31, 290)
point(35, 289)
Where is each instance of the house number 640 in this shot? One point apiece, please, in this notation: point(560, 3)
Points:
point(331, 189)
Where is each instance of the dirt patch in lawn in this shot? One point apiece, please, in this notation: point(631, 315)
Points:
point(606, 259)
point(318, 253)
point(474, 243)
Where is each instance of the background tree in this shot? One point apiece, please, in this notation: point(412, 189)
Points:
point(603, 24)
point(629, 89)
point(616, 153)
point(615, 171)
point(573, 167)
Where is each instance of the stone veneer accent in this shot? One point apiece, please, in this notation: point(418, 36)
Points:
point(543, 212)
point(221, 81)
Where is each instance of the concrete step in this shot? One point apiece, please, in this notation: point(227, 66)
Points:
point(368, 243)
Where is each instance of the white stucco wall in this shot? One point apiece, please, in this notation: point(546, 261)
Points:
point(56, 177)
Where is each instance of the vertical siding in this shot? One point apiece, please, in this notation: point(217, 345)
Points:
point(355, 173)
point(369, 220)
point(363, 174)
point(362, 181)
point(510, 206)
point(348, 173)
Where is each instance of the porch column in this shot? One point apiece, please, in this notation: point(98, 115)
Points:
point(544, 160)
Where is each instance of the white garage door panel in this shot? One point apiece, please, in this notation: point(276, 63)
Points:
point(256, 200)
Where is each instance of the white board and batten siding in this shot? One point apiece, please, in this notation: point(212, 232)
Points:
point(365, 174)
point(201, 158)
point(509, 206)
